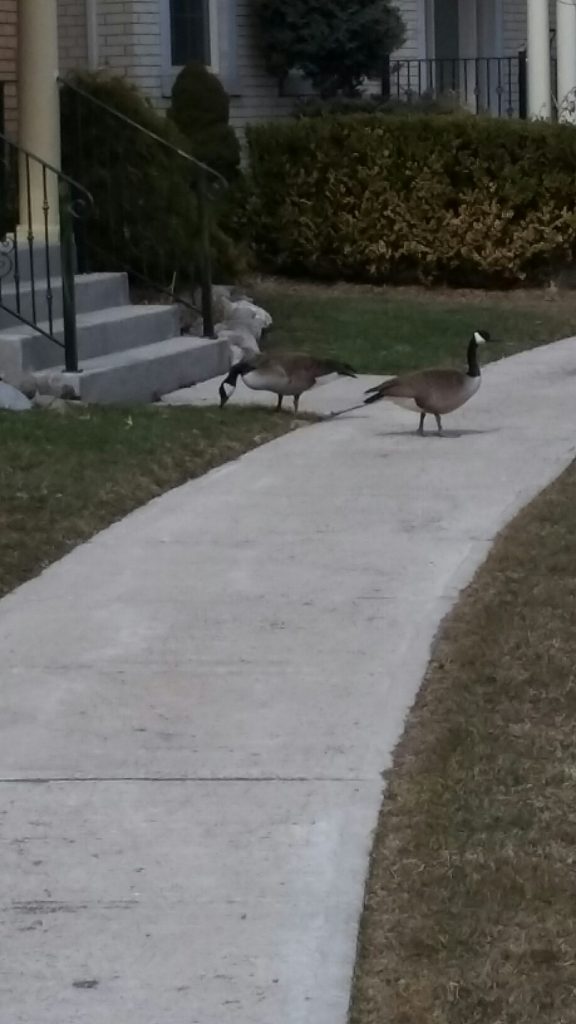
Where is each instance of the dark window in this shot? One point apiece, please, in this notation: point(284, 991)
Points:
point(190, 31)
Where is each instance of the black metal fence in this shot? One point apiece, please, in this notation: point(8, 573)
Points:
point(493, 86)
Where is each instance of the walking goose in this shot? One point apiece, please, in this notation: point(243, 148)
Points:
point(434, 391)
point(283, 373)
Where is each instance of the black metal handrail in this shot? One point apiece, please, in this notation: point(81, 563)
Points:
point(32, 257)
point(142, 258)
point(484, 85)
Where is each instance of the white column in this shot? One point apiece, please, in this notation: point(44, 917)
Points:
point(538, 60)
point(39, 107)
point(566, 48)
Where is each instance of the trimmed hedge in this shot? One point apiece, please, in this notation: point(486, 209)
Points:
point(459, 200)
point(314, 106)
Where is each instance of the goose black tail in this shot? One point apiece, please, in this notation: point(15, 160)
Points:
point(373, 398)
point(379, 391)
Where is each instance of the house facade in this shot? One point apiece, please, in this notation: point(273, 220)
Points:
point(148, 40)
point(464, 28)
point(465, 47)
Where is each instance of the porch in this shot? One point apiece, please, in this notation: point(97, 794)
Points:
point(62, 302)
point(490, 86)
point(503, 58)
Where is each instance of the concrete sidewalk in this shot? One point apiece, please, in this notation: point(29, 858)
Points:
point(197, 706)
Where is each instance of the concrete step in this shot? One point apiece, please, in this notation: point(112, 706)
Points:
point(93, 292)
point(26, 260)
point(141, 374)
point(100, 333)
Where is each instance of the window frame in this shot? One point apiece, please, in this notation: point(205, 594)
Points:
point(170, 71)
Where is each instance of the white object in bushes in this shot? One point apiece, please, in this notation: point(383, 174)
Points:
point(12, 399)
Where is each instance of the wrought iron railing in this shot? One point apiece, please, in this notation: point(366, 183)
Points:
point(175, 254)
point(38, 207)
point(484, 85)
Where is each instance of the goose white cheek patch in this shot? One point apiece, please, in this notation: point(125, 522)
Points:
point(479, 339)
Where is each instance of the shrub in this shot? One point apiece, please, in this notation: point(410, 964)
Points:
point(461, 200)
point(342, 105)
point(200, 109)
point(145, 215)
point(335, 43)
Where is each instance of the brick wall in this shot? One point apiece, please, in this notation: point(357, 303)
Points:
point(73, 50)
point(130, 43)
point(72, 40)
point(8, 38)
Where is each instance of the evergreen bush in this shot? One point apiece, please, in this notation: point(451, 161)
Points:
point(200, 110)
point(460, 200)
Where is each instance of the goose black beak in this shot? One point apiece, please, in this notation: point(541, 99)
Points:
point(223, 396)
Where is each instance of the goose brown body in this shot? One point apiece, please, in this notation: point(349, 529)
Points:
point(283, 373)
point(435, 391)
point(430, 391)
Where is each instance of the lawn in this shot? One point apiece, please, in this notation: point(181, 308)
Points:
point(470, 914)
point(385, 330)
point(65, 477)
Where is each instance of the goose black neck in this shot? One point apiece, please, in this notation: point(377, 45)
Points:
point(473, 364)
point(238, 370)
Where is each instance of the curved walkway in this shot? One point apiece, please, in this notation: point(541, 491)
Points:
point(197, 706)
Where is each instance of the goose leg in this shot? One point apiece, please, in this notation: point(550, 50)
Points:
point(296, 400)
point(421, 427)
point(438, 422)
point(279, 403)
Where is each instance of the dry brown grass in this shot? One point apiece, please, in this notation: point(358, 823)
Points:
point(470, 913)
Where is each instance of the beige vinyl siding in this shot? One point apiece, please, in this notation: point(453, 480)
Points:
point(256, 92)
point(513, 26)
point(514, 19)
point(413, 13)
point(405, 72)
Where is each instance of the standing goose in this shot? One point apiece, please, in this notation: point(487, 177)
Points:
point(283, 373)
point(434, 391)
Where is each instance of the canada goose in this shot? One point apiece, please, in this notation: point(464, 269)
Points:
point(283, 373)
point(434, 391)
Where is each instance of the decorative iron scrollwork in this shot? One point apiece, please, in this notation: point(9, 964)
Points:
point(7, 256)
